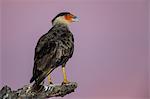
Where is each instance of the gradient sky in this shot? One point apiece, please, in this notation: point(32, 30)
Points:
point(111, 45)
point(149, 45)
point(0, 45)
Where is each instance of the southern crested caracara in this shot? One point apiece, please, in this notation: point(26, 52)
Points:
point(54, 49)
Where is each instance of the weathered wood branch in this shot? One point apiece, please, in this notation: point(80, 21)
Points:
point(47, 92)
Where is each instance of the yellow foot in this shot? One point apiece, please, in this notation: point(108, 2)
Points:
point(65, 82)
point(49, 79)
point(50, 83)
point(65, 76)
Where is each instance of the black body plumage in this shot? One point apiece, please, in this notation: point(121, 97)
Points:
point(52, 50)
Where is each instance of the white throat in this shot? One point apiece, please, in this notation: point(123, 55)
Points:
point(61, 20)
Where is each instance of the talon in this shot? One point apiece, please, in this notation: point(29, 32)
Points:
point(49, 80)
point(65, 82)
point(50, 83)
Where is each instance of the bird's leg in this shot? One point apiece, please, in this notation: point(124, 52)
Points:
point(49, 79)
point(64, 75)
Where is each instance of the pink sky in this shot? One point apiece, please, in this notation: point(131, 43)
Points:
point(111, 45)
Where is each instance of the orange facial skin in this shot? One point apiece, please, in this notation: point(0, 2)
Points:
point(69, 17)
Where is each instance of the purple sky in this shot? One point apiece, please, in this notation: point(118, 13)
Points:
point(111, 45)
point(149, 44)
point(0, 46)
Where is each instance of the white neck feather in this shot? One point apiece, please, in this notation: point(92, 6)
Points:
point(61, 20)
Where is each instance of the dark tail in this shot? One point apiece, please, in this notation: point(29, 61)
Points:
point(38, 79)
point(41, 77)
point(37, 88)
point(37, 84)
point(32, 79)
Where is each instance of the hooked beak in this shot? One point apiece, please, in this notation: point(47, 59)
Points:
point(75, 19)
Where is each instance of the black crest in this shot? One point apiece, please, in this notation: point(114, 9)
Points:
point(60, 14)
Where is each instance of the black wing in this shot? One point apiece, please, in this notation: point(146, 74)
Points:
point(44, 52)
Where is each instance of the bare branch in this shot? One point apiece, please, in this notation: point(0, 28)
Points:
point(47, 92)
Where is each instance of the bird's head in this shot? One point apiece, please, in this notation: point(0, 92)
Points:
point(64, 18)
